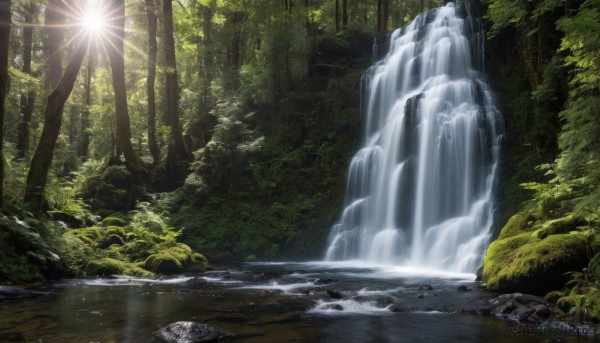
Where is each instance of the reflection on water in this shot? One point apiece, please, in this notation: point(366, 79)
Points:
point(279, 302)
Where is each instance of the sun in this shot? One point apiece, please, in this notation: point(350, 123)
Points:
point(93, 18)
point(94, 22)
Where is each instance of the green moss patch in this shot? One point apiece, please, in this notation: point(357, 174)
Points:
point(526, 263)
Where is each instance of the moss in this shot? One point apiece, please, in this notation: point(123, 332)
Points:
point(560, 225)
point(199, 259)
point(88, 235)
point(138, 249)
point(111, 266)
point(109, 239)
point(518, 223)
point(115, 230)
point(525, 263)
point(163, 263)
point(113, 221)
point(105, 266)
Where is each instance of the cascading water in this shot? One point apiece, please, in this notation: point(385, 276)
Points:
point(420, 190)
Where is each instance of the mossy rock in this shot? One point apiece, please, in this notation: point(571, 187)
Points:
point(117, 175)
point(163, 263)
point(138, 249)
point(105, 266)
point(113, 221)
point(112, 266)
point(115, 230)
point(525, 263)
point(88, 235)
point(519, 223)
point(108, 240)
point(560, 225)
point(199, 259)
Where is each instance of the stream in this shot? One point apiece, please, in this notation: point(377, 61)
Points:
point(268, 302)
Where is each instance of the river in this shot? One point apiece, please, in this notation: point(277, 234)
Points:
point(269, 302)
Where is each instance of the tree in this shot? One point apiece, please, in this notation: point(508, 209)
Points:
point(116, 50)
point(42, 157)
point(5, 24)
point(152, 49)
point(171, 83)
point(27, 97)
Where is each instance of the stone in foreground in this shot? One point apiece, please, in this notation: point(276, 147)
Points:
point(190, 332)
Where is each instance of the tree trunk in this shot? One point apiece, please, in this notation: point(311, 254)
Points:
point(5, 23)
point(85, 113)
point(55, 19)
point(337, 15)
point(344, 13)
point(115, 49)
point(150, 80)
point(27, 97)
point(172, 83)
point(42, 157)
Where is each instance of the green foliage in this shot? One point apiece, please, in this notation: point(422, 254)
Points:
point(141, 245)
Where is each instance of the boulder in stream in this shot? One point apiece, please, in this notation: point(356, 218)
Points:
point(190, 332)
point(10, 292)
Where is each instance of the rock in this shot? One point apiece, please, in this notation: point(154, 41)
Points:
point(395, 308)
point(523, 313)
point(190, 332)
point(380, 299)
point(10, 292)
point(334, 294)
point(542, 311)
point(463, 288)
point(163, 263)
point(421, 295)
point(336, 307)
point(425, 288)
point(324, 281)
point(520, 260)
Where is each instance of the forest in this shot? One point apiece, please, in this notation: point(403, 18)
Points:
point(156, 137)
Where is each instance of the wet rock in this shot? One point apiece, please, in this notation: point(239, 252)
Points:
point(190, 332)
point(10, 292)
point(425, 288)
point(336, 307)
point(395, 308)
point(421, 295)
point(518, 307)
point(542, 311)
point(523, 313)
point(334, 294)
point(377, 298)
point(325, 281)
point(463, 288)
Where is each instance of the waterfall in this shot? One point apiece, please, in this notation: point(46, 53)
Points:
point(420, 189)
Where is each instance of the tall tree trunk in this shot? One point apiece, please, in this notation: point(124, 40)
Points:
point(207, 75)
point(54, 22)
point(344, 13)
point(115, 49)
point(85, 134)
point(150, 80)
point(172, 83)
point(42, 157)
point(27, 97)
point(5, 23)
point(337, 15)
